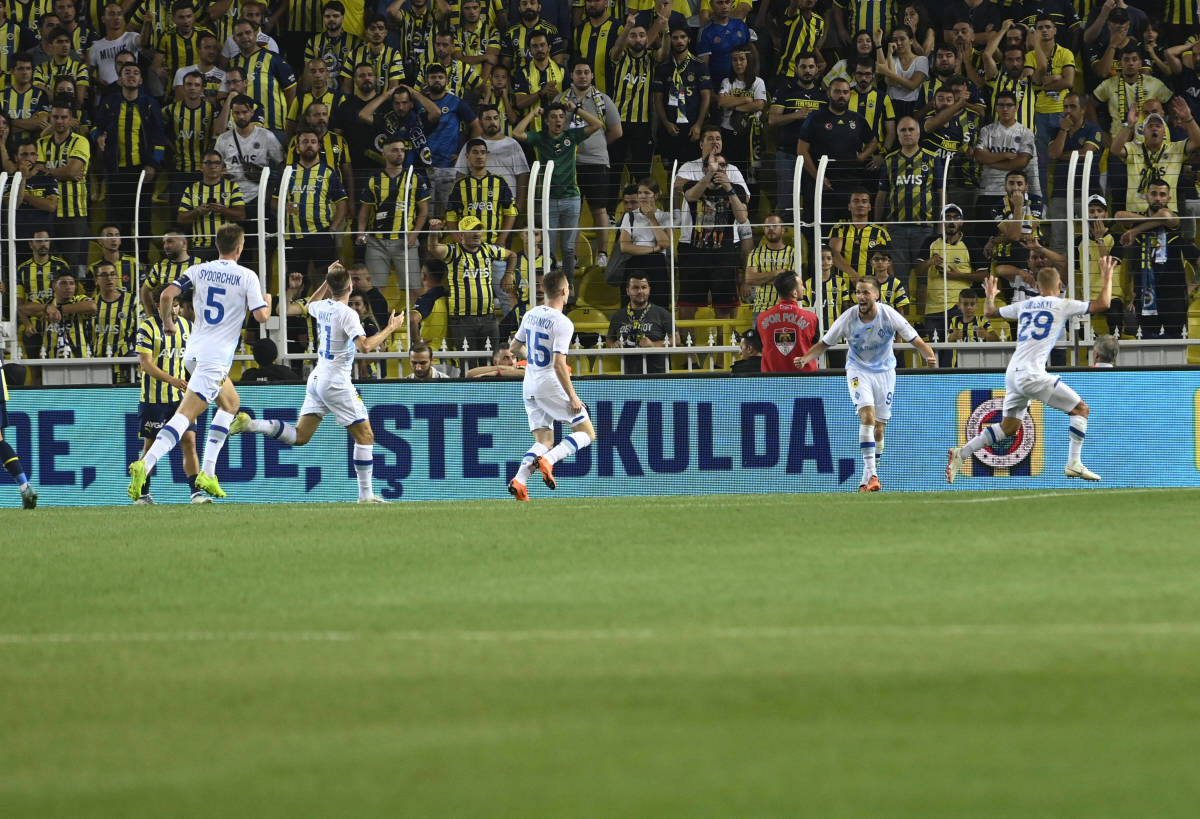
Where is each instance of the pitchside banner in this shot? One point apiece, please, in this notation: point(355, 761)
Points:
point(454, 441)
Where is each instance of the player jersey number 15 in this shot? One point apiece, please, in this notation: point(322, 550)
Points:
point(1034, 326)
point(214, 310)
point(541, 349)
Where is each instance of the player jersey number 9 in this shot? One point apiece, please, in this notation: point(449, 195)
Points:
point(1034, 326)
point(541, 350)
point(214, 310)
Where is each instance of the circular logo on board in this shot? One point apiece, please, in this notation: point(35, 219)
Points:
point(1008, 453)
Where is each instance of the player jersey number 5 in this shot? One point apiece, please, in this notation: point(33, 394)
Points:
point(1034, 325)
point(541, 349)
point(214, 308)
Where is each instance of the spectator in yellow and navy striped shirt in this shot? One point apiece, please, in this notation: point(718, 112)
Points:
point(396, 226)
point(472, 299)
point(62, 64)
point(179, 46)
point(269, 80)
point(333, 150)
point(35, 285)
point(133, 140)
point(771, 257)
point(66, 156)
point(164, 380)
point(117, 314)
point(317, 206)
point(110, 251)
point(189, 123)
point(170, 267)
point(66, 318)
point(209, 203)
point(853, 239)
point(333, 44)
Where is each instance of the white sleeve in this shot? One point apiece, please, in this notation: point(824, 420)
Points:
point(563, 331)
point(837, 330)
point(760, 89)
point(1078, 308)
point(725, 86)
point(522, 335)
point(900, 323)
point(254, 296)
point(179, 75)
point(230, 49)
point(352, 324)
point(1010, 311)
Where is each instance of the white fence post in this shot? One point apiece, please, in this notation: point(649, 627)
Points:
point(531, 235)
point(281, 251)
point(798, 239)
point(671, 257)
point(405, 210)
point(818, 195)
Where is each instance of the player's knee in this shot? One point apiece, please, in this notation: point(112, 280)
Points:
point(365, 438)
point(1009, 426)
point(1081, 409)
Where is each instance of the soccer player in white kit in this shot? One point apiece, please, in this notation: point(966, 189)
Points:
point(1040, 322)
point(870, 328)
point(223, 291)
point(545, 334)
point(340, 337)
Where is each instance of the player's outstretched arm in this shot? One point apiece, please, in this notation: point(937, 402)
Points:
point(1108, 266)
point(262, 313)
point(811, 355)
point(366, 345)
point(926, 351)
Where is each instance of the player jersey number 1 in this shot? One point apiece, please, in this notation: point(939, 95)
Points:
point(214, 310)
point(1034, 326)
point(541, 349)
point(327, 332)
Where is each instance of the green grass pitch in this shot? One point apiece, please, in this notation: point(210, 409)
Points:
point(1031, 654)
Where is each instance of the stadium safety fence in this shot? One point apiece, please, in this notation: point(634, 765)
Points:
point(706, 342)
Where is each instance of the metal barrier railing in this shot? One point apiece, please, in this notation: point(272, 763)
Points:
point(1075, 224)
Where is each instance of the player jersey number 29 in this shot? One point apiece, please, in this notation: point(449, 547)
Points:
point(541, 349)
point(1034, 326)
point(214, 310)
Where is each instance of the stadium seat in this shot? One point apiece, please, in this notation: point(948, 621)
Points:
point(744, 318)
point(594, 291)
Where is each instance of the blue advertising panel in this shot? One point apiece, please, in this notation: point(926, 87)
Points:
point(452, 441)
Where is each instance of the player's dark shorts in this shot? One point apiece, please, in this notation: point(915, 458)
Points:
point(3, 410)
point(152, 418)
point(708, 271)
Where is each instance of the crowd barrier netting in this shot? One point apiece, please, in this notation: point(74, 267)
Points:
point(670, 436)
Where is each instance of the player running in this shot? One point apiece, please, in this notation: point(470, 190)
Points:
point(870, 328)
point(1040, 322)
point(329, 390)
point(223, 291)
point(164, 381)
point(545, 334)
point(8, 456)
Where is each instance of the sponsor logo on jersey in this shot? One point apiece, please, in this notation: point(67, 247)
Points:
point(1022, 455)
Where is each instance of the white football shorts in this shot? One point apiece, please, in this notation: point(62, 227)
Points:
point(868, 389)
point(206, 377)
point(323, 396)
point(1021, 387)
point(546, 403)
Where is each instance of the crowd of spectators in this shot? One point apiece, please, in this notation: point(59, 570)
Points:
point(189, 112)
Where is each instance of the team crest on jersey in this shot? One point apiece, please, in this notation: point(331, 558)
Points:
point(854, 383)
point(785, 340)
point(1023, 455)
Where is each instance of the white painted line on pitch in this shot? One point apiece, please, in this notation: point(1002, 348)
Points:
point(1186, 629)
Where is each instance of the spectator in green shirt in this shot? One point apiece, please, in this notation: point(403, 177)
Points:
point(559, 144)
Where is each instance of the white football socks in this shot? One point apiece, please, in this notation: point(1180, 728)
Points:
point(990, 436)
point(218, 431)
point(166, 440)
point(1078, 433)
point(866, 442)
point(526, 467)
point(364, 465)
point(277, 429)
point(568, 446)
